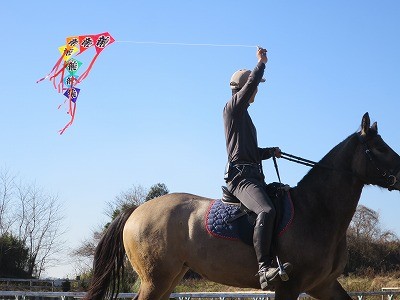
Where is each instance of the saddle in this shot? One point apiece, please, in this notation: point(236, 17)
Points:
point(228, 218)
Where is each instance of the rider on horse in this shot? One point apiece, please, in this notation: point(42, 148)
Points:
point(244, 175)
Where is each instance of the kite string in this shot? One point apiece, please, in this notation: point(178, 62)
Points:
point(188, 44)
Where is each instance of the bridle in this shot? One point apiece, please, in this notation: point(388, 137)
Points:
point(388, 178)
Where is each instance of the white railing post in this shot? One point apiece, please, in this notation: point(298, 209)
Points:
point(390, 295)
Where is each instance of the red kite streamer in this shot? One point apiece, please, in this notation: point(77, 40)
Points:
point(63, 74)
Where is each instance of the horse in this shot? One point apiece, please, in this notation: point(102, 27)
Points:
point(165, 237)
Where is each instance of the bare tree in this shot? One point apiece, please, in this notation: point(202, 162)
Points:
point(365, 224)
point(33, 217)
point(83, 255)
point(370, 247)
point(38, 225)
point(134, 196)
point(6, 190)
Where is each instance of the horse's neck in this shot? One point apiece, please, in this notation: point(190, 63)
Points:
point(332, 193)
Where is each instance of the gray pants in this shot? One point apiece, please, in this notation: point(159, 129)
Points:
point(251, 192)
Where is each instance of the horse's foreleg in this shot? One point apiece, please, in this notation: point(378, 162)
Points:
point(329, 290)
point(287, 292)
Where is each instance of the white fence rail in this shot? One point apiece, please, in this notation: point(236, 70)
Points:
point(386, 293)
point(34, 284)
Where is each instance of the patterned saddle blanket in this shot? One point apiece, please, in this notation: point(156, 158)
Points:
point(224, 220)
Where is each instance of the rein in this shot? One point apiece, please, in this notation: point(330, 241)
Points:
point(296, 159)
point(390, 179)
point(299, 160)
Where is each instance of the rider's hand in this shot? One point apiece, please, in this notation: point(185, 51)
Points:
point(262, 55)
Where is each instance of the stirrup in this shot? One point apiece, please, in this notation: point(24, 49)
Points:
point(270, 275)
point(283, 269)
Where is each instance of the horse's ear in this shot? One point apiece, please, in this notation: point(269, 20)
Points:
point(374, 127)
point(365, 123)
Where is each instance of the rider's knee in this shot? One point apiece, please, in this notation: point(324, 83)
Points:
point(271, 212)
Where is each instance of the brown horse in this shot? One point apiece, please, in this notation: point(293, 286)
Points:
point(165, 237)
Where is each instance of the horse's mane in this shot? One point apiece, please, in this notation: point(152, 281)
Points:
point(330, 160)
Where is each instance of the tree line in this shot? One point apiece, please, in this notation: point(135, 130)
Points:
point(30, 227)
point(371, 250)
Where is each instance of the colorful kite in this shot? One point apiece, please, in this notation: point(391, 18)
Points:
point(64, 73)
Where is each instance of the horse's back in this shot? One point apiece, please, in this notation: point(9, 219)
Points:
point(175, 206)
point(163, 226)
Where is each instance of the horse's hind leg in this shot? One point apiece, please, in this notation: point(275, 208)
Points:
point(175, 282)
point(331, 290)
point(160, 282)
point(148, 291)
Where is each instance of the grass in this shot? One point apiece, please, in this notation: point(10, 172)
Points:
point(350, 284)
point(370, 283)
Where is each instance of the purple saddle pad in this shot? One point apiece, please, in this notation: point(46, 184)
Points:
point(219, 214)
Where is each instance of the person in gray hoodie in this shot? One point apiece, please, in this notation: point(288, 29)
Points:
point(244, 175)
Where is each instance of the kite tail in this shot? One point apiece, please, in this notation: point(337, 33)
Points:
point(87, 71)
point(61, 83)
point(53, 70)
point(71, 112)
point(62, 104)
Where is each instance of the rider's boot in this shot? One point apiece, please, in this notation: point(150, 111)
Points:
point(262, 240)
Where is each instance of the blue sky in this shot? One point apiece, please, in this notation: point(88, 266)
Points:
point(153, 113)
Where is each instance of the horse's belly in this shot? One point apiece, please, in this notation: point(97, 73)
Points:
point(229, 262)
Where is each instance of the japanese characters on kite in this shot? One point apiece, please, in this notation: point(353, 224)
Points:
point(64, 76)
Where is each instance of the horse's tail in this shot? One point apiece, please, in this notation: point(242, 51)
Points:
point(108, 264)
